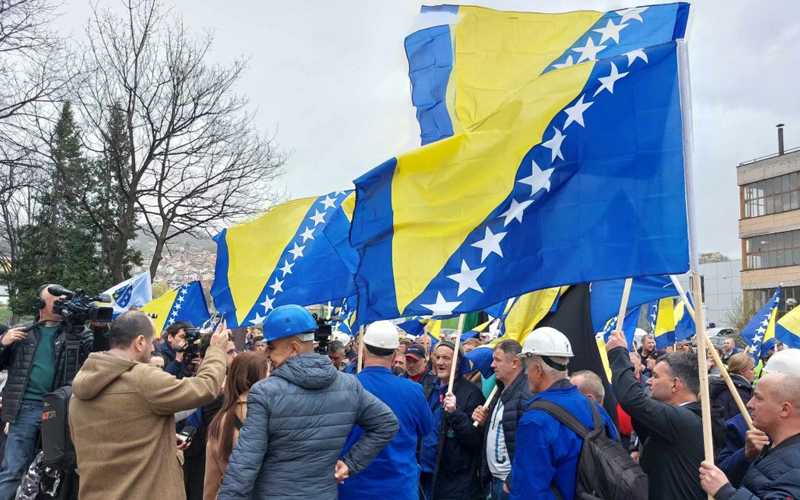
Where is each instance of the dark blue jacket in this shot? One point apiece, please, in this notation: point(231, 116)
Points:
point(773, 475)
point(394, 473)
point(173, 366)
point(547, 450)
point(298, 421)
point(731, 459)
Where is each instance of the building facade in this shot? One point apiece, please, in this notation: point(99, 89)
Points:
point(769, 226)
point(722, 290)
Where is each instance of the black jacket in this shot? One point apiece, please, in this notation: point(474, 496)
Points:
point(18, 359)
point(672, 434)
point(721, 395)
point(173, 366)
point(514, 398)
point(774, 474)
point(459, 448)
point(427, 381)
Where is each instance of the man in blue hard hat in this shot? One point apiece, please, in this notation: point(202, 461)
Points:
point(394, 472)
point(299, 419)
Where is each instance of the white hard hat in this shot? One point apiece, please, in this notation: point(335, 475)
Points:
point(382, 334)
point(341, 337)
point(785, 361)
point(546, 341)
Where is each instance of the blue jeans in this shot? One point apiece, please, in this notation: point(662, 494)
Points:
point(20, 447)
point(497, 489)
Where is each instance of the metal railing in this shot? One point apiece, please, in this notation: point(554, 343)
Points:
point(774, 155)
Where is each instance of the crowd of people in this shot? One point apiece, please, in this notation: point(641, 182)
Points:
point(150, 418)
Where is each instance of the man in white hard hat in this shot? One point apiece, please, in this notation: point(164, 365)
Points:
point(394, 472)
point(742, 446)
point(547, 450)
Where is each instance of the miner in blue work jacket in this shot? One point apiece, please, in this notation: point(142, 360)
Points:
point(394, 473)
point(547, 450)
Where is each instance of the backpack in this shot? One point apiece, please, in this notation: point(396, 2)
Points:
point(59, 452)
point(605, 469)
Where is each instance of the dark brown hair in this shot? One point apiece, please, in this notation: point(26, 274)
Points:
point(246, 369)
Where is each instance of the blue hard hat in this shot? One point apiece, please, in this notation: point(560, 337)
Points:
point(286, 321)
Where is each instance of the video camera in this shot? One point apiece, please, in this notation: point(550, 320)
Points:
point(192, 348)
point(322, 335)
point(78, 308)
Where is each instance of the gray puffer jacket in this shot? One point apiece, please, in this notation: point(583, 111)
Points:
point(298, 421)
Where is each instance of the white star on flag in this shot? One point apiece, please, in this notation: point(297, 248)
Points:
point(181, 298)
point(297, 251)
point(632, 13)
point(569, 62)
point(277, 286)
point(441, 307)
point(654, 316)
point(611, 31)
point(490, 244)
point(328, 202)
point(318, 218)
point(287, 268)
point(554, 144)
point(467, 279)
point(308, 233)
point(515, 211)
point(338, 193)
point(539, 179)
point(258, 319)
point(766, 321)
point(575, 112)
point(609, 81)
point(588, 51)
point(636, 54)
point(761, 329)
point(756, 339)
point(268, 303)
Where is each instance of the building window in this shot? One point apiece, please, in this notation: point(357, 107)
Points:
point(757, 298)
point(772, 196)
point(773, 250)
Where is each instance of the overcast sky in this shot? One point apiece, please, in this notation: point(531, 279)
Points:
point(331, 77)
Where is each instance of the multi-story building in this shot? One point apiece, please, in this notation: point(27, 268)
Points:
point(769, 225)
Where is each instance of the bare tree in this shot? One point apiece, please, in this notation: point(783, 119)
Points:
point(34, 72)
point(740, 313)
point(195, 160)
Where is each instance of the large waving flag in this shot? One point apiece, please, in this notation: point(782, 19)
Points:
point(136, 291)
point(628, 325)
point(684, 324)
point(280, 258)
point(577, 178)
point(606, 296)
point(527, 311)
point(754, 333)
point(185, 303)
point(466, 61)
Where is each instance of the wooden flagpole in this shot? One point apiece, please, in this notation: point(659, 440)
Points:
point(454, 367)
point(360, 362)
point(487, 403)
point(702, 363)
point(623, 304)
point(715, 356)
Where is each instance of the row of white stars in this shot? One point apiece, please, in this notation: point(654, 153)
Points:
point(589, 51)
point(179, 302)
point(761, 330)
point(539, 179)
point(297, 253)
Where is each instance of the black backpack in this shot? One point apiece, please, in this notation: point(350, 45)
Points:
point(59, 452)
point(605, 469)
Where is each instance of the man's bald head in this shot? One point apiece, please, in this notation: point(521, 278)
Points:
point(785, 388)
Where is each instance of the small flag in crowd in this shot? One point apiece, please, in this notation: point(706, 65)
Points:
point(755, 332)
point(606, 296)
point(628, 325)
point(280, 258)
point(185, 303)
point(136, 291)
point(661, 315)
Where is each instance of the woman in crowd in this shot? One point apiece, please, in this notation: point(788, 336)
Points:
point(246, 369)
point(742, 371)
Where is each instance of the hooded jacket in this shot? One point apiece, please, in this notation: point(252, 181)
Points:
point(297, 424)
point(122, 423)
point(672, 434)
point(721, 395)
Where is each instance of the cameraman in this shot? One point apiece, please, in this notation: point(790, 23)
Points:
point(37, 364)
point(174, 347)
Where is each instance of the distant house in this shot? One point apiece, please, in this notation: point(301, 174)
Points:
point(3, 296)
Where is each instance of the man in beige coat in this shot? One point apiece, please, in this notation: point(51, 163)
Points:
point(121, 414)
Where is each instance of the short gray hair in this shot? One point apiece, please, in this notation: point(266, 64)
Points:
point(590, 383)
point(549, 370)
